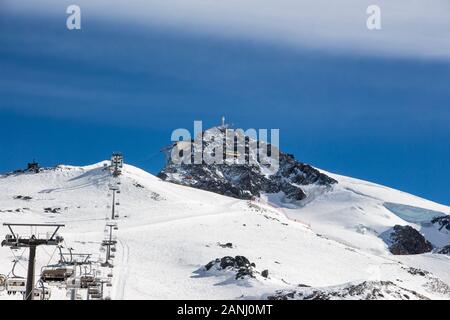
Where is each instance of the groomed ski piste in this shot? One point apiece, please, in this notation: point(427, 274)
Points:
point(329, 245)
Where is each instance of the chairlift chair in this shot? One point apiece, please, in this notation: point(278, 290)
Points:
point(55, 274)
point(96, 296)
point(86, 281)
point(16, 285)
point(43, 293)
point(93, 290)
point(11, 241)
point(73, 283)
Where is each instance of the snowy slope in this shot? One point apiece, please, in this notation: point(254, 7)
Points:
point(168, 233)
point(357, 211)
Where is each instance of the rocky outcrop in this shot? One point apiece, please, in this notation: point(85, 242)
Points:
point(227, 245)
point(417, 272)
point(245, 179)
point(240, 264)
point(442, 223)
point(404, 240)
point(445, 250)
point(367, 290)
point(52, 210)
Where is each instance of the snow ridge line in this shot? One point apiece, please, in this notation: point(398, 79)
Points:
point(281, 210)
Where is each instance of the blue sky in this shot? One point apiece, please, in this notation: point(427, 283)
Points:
point(74, 97)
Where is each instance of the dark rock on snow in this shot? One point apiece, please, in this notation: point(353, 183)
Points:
point(25, 198)
point(406, 240)
point(243, 267)
point(442, 222)
point(367, 290)
point(138, 185)
point(417, 272)
point(52, 210)
point(445, 250)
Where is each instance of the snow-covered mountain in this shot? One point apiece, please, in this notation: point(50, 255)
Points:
point(179, 242)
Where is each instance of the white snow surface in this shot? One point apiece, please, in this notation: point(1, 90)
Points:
point(168, 233)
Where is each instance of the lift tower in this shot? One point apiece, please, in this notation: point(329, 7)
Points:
point(108, 243)
point(32, 242)
point(116, 164)
point(77, 282)
point(114, 189)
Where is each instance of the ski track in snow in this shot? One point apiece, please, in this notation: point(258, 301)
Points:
point(123, 274)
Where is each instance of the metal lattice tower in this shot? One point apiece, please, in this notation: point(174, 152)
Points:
point(116, 164)
point(32, 242)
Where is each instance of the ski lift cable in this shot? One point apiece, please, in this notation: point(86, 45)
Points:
point(149, 157)
point(12, 270)
point(65, 244)
point(17, 261)
point(51, 258)
point(53, 254)
point(35, 285)
point(21, 255)
point(46, 252)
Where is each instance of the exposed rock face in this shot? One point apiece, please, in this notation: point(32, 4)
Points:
point(417, 272)
point(244, 179)
point(433, 284)
point(405, 240)
point(240, 264)
point(442, 222)
point(445, 250)
point(367, 290)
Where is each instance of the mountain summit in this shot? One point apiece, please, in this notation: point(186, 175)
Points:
point(237, 175)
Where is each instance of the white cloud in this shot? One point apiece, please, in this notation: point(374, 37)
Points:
point(411, 28)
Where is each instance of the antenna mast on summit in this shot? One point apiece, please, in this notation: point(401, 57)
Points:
point(223, 121)
point(116, 164)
